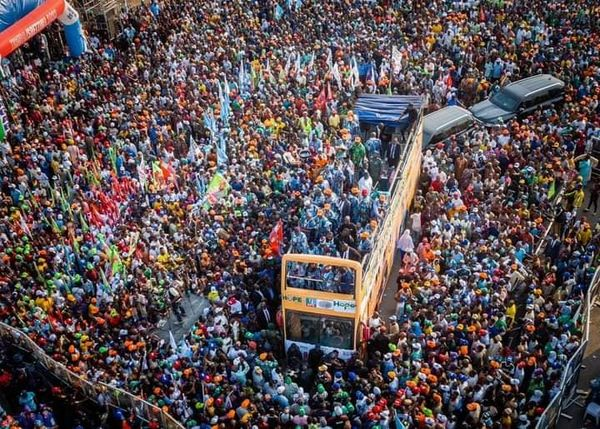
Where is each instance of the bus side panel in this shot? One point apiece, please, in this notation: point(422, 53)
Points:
point(377, 273)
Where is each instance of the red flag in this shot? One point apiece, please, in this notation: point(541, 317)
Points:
point(94, 216)
point(166, 171)
point(329, 93)
point(482, 17)
point(321, 101)
point(276, 238)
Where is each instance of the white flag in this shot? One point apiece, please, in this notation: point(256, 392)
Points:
point(329, 58)
point(191, 156)
point(355, 74)
point(298, 65)
point(396, 60)
point(335, 72)
point(141, 169)
point(311, 63)
point(288, 64)
point(172, 342)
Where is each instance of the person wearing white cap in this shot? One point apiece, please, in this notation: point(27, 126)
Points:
point(523, 422)
point(375, 321)
point(394, 329)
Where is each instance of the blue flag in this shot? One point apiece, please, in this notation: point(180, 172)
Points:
point(225, 104)
point(222, 150)
point(210, 122)
point(399, 424)
point(278, 12)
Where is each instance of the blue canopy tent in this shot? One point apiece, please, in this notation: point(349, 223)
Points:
point(374, 109)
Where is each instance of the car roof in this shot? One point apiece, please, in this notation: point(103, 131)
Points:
point(445, 117)
point(525, 87)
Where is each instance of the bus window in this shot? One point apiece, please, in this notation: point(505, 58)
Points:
point(329, 331)
point(338, 333)
point(321, 277)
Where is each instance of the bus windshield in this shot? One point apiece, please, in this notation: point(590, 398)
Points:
point(321, 277)
point(330, 331)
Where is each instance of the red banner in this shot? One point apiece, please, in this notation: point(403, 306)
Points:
point(31, 24)
point(276, 238)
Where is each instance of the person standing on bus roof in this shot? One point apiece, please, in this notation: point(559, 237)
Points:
point(347, 231)
point(299, 242)
point(365, 206)
point(373, 146)
point(365, 243)
point(348, 252)
point(394, 150)
point(357, 153)
point(344, 206)
point(365, 183)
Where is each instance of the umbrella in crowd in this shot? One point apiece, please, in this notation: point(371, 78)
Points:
point(209, 138)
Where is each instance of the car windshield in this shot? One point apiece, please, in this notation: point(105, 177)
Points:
point(505, 101)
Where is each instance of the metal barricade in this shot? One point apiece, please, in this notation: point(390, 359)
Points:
point(570, 376)
point(117, 397)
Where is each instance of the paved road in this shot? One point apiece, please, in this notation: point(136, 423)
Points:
point(387, 307)
point(194, 306)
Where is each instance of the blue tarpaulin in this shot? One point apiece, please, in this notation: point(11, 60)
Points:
point(387, 109)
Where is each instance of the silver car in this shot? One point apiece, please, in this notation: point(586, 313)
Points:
point(446, 122)
point(519, 98)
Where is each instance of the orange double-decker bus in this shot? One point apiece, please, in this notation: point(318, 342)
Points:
point(326, 300)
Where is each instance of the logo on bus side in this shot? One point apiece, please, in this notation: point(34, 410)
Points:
point(335, 305)
point(344, 306)
point(291, 298)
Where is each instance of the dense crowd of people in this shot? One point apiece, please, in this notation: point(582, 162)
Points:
point(211, 137)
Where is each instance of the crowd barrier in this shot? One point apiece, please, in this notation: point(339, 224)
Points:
point(99, 392)
point(568, 384)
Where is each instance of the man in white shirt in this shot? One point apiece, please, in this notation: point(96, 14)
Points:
point(366, 183)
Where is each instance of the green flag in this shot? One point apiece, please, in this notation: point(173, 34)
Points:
point(217, 189)
point(112, 154)
point(552, 190)
point(4, 125)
